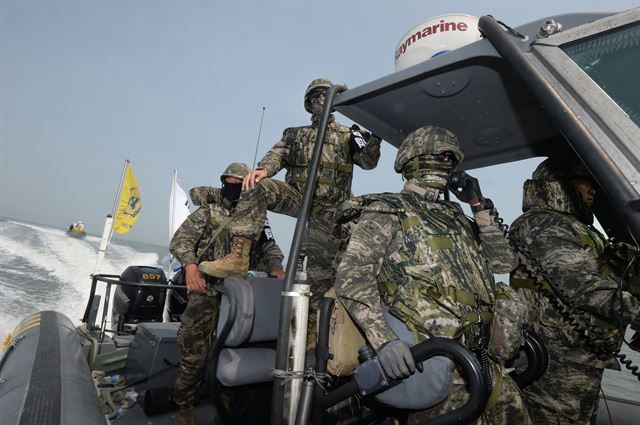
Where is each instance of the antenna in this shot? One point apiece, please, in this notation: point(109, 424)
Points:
point(255, 156)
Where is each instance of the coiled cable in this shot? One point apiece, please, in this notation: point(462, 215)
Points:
point(597, 340)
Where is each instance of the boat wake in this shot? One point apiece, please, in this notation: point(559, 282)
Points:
point(42, 268)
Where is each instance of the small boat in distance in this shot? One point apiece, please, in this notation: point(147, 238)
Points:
point(76, 230)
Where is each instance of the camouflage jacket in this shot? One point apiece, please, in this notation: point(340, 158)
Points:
point(422, 259)
point(192, 242)
point(558, 248)
point(294, 150)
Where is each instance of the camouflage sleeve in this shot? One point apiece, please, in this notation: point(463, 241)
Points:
point(576, 273)
point(356, 283)
point(271, 253)
point(184, 243)
point(495, 245)
point(367, 158)
point(203, 195)
point(272, 161)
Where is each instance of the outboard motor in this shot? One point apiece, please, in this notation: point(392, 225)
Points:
point(177, 297)
point(133, 305)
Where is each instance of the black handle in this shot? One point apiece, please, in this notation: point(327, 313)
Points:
point(537, 361)
point(471, 371)
point(462, 356)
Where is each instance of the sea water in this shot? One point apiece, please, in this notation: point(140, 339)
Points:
point(42, 268)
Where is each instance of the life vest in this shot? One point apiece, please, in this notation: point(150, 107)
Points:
point(438, 282)
point(336, 166)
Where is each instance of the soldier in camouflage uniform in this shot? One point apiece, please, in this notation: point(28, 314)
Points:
point(563, 254)
point(343, 147)
point(265, 256)
point(433, 268)
point(204, 235)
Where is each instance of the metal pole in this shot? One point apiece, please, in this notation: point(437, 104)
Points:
point(108, 225)
point(114, 210)
point(570, 125)
point(172, 212)
point(297, 348)
point(105, 310)
point(104, 244)
point(277, 403)
point(307, 409)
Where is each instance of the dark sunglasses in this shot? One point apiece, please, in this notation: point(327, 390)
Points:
point(317, 94)
point(445, 156)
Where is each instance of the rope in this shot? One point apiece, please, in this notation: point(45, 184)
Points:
point(321, 379)
point(287, 376)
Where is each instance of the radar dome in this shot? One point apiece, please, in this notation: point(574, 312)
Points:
point(435, 37)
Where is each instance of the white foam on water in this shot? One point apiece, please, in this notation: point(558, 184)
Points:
point(66, 261)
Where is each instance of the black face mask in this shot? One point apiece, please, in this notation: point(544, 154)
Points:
point(231, 191)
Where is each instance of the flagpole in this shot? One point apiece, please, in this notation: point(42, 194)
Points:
point(172, 214)
point(116, 204)
point(178, 213)
point(107, 232)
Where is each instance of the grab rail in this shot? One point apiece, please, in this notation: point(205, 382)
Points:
point(114, 279)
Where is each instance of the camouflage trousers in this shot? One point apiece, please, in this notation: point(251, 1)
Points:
point(323, 239)
point(566, 394)
point(510, 408)
point(198, 322)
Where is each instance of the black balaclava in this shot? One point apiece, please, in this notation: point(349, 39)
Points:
point(231, 191)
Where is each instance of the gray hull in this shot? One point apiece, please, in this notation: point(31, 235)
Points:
point(45, 376)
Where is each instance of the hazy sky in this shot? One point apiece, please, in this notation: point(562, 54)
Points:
point(181, 84)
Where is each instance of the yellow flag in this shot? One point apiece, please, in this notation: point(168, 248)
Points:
point(129, 205)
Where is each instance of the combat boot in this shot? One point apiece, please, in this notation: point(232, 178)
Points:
point(187, 415)
point(235, 263)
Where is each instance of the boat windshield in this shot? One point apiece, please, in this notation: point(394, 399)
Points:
point(612, 61)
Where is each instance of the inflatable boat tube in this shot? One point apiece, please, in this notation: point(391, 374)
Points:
point(44, 375)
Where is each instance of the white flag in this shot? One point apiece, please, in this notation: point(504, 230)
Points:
point(178, 205)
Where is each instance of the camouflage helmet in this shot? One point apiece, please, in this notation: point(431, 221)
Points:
point(318, 83)
point(235, 169)
point(560, 168)
point(427, 140)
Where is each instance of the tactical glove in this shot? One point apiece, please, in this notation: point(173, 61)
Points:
point(358, 141)
point(466, 188)
point(396, 359)
point(621, 253)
